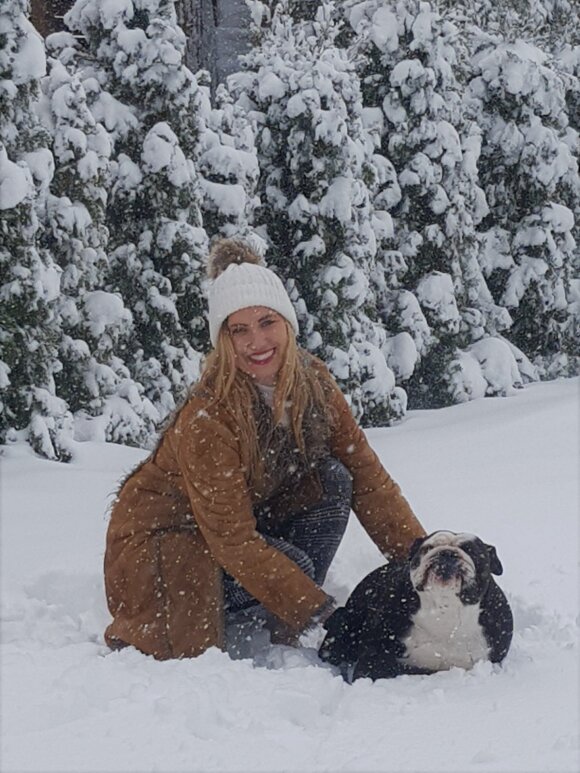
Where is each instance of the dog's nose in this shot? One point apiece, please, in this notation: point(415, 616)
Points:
point(447, 557)
point(446, 564)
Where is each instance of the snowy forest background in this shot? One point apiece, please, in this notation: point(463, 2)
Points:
point(410, 169)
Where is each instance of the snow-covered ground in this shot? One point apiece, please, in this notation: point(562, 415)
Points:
point(505, 468)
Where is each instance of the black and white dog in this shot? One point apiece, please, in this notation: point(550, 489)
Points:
point(440, 609)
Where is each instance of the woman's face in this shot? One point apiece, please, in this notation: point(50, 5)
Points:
point(260, 337)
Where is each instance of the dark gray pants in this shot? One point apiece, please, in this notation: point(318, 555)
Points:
point(310, 536)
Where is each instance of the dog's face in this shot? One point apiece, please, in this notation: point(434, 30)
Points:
point(453, 563)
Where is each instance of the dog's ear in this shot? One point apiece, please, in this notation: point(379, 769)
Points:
point(416, 544)
point(494, 562)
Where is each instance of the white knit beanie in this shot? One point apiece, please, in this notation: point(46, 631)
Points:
point(247, 284)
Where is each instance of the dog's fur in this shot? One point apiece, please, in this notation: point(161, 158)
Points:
point(440, 609)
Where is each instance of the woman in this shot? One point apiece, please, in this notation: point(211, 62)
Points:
point(247, 495)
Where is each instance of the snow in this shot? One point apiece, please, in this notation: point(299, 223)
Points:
point(117, 117)
point(159, 148)
point(384, 30)
point(271, 86)
point(161, 151)
point(382, 379)
point(297, 105)
point(128, 174)
point(423, 25)
point(560, 217)
point(41, 164)
point(382, 223)
point(227, 198)
point(498, 365)
point(405, 74)
point(435, 293)
point(29, 60)
point(504, 468)
point(373, 121)
point(15, 181)
point(104, 310)
point(337, 201)
point(231, 162)
point(109, 13)
point(440, 201)
point(49, 279)
point(401, 355)
point(530, 270)
point(468, 381)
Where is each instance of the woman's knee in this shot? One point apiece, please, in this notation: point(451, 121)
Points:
point(335, 479)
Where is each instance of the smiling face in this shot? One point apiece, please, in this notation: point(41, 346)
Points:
point(259, 336)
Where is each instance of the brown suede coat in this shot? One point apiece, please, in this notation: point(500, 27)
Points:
point(186, 514)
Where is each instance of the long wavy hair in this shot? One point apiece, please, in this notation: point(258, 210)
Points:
point(298, 391)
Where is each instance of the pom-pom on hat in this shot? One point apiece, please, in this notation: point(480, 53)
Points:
point(240, 281)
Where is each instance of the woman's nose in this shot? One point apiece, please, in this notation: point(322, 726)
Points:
point(256, 339)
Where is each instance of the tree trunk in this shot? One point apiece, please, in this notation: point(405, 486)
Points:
point(47, 15)
point(197, 19)
point(217, 32)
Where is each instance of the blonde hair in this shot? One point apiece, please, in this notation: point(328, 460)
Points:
point(297, 391)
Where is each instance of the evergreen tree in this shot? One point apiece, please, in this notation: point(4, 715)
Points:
point(95, 326)
point(29, 280)
point(149, 101)
point(549, 24)
point(316, 162)
point(228, 166)
point(432, 292)
point(529, 169)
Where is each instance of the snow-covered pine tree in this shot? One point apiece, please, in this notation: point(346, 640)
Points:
point(29, 280)
point(549, 24)
point(95, 325)
point(568, 66)
point(149, 102)
point(227, 165)
point(316, 161)
point(432, 292)
point(529, 170)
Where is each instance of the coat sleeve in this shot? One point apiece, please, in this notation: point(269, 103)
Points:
point(209, 458)
point(377, 500)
